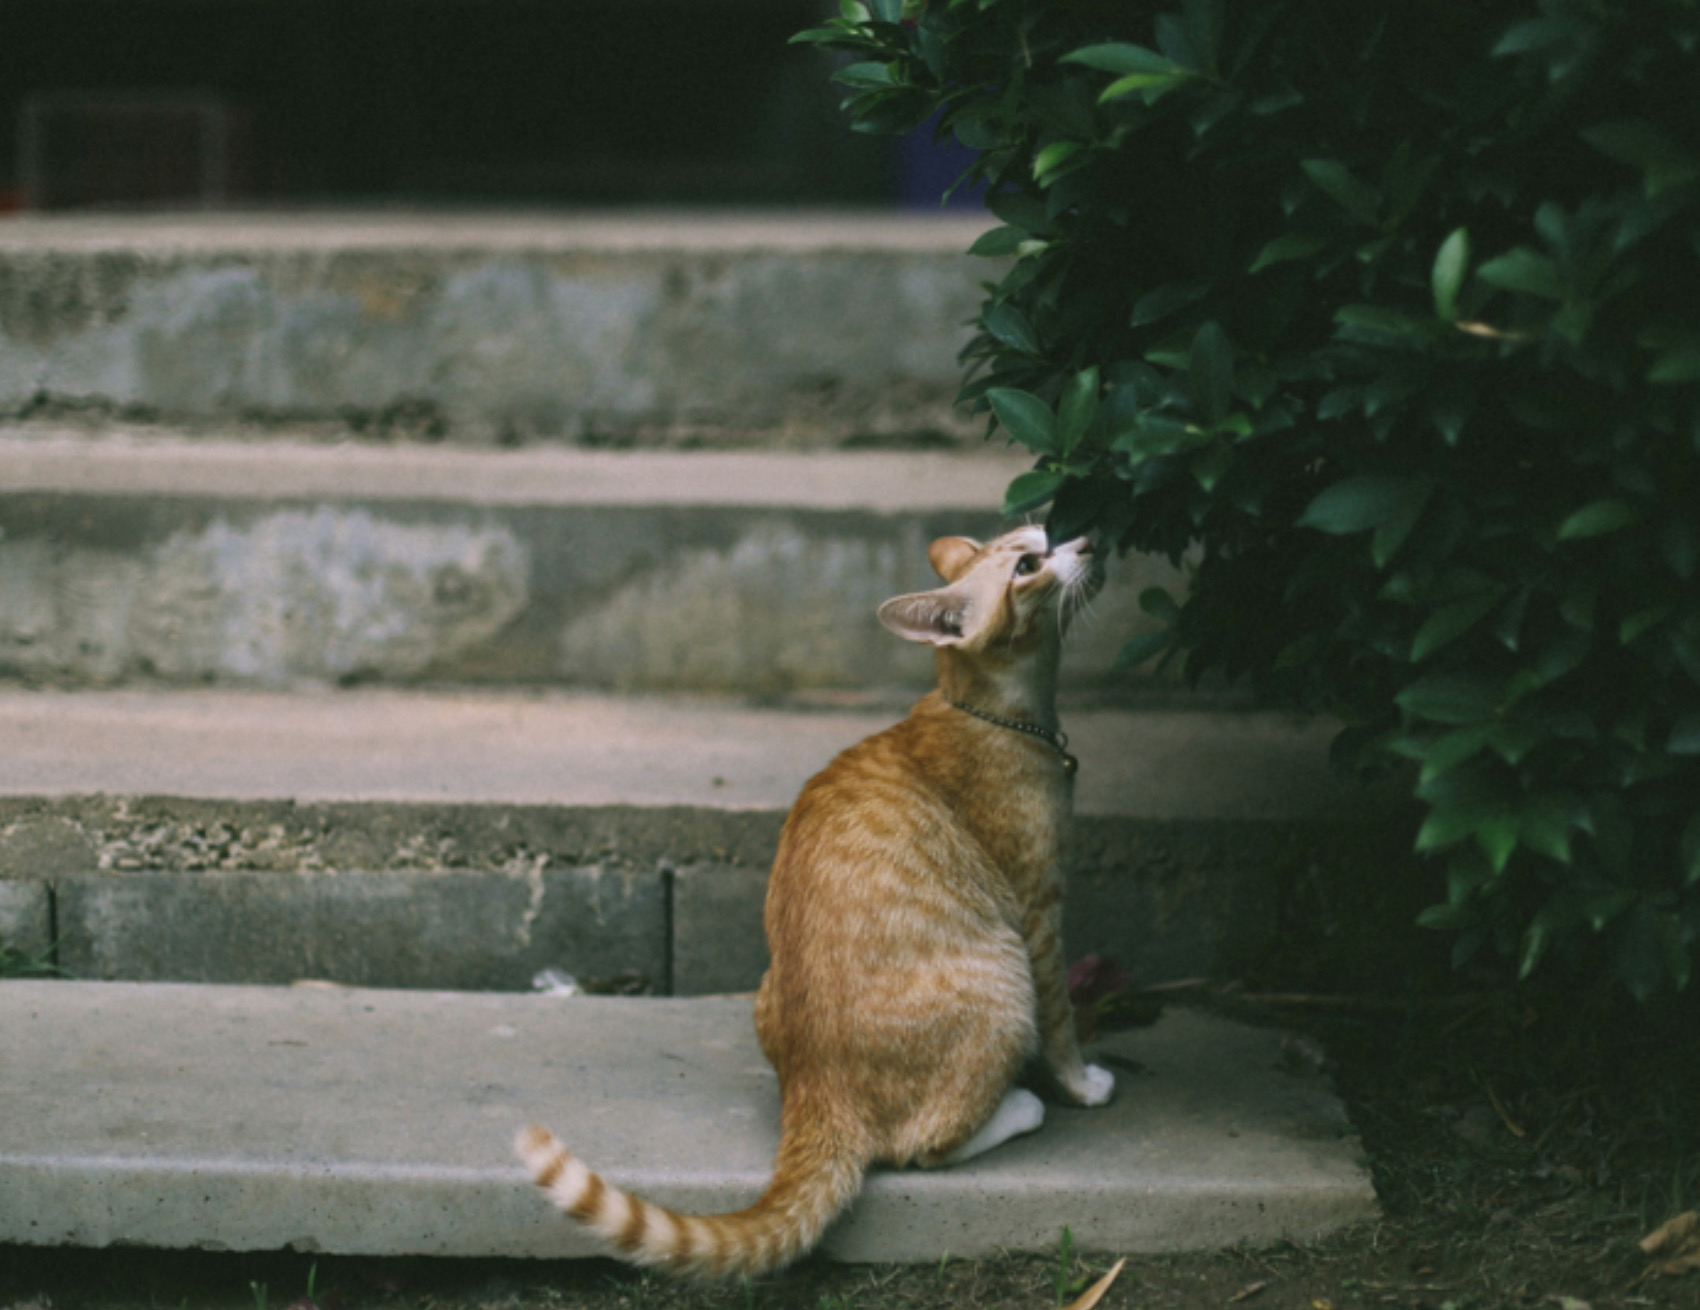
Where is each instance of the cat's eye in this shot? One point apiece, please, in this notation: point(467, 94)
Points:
point(1027, 564)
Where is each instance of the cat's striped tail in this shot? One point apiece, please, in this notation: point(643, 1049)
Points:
point(814, 1179)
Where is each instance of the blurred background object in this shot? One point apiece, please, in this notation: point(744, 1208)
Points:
point(212, 103)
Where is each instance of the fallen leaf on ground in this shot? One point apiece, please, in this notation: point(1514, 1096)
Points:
point(1676, 1245)
point(1092, 978)
point(1095, 1293)
point(1248, 1291)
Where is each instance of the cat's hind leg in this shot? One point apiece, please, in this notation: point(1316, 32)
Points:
point(1019, 1112)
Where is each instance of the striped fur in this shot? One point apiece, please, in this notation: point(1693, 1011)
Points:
point(913, 919)
point(808, 1190)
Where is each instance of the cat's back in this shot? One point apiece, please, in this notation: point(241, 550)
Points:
point(880, 835)
point(892, 785)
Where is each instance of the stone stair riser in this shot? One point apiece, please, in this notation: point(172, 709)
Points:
point(101, 589)
point(671, 898)
point(573, 333)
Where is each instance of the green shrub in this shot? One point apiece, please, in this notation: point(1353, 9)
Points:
point(1387, 317)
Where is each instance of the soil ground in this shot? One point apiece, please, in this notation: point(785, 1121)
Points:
point(1522, 1144)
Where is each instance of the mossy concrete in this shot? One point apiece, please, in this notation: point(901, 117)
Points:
point(779, 329)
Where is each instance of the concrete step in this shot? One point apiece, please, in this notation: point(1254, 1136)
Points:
point(764, 329)
point(378, 1122)
point(454, 839)
point(192, 559)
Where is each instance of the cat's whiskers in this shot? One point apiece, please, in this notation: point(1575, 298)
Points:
point(1074, 599)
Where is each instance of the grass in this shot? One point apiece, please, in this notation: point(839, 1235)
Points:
point(1521, 1142)
point(15, 964)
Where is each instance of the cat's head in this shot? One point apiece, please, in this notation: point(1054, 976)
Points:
point(1008, 593)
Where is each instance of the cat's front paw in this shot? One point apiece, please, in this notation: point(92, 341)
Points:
point(1094, 1086)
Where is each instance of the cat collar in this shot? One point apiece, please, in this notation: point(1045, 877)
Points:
point(1057, 741)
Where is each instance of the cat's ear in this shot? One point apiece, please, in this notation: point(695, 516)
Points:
point(933, 617)
point(949, 556)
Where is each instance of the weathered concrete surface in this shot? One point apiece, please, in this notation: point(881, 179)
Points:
point(413, 840)
point(26, 919)
point(369, 1122)
point(711, 571)
point(718, 941)
point(584, 750)
point(467, 929)
point(743, 329)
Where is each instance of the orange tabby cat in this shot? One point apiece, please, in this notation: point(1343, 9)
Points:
point(913, 918)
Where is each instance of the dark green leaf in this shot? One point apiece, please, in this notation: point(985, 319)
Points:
point(1598, 518)
point(1532, 34)
point(1561, 655)
point(1688, 851)
point(1513, 739)
point(1497, 836)
point(1031, 490)
point(1452, 750)
point(1010, 326)
point(1209, 465)
point(1026, 418)
point(1204, 20)
point(1357, 504)
point(1393, 531)
point(1122, 59)
point(1444, 918)
point(1156, 305)
point(1638, 950)
point(1211, 371)
point(999, 241)
point(1679, 543)
point(1535, 939)
point(1446, 278)
point(1452, 621)
point(1157, 602)
point(1289, 247)
point(1381, 320)
point(1143, 647)
point(1357, 197)
point(868, 76)
point(1152, 86)
point(1663, 163)
point(1450, 698)
point(1021, 209)
point(1677, 363)
point(1641, 621)
point(1546, 827)
point(1524, 270)
point(1054, 159)
point(1158, 434)
point(1449, 824)
point(1078, 408)
point(1685, 735)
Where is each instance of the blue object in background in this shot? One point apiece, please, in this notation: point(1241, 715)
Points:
point(926, 170)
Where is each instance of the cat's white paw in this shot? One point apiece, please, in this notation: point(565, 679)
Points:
point(1019, 1112)
point(1095, 1088)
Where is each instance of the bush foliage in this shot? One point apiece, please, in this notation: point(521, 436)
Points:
point(1387, 318)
